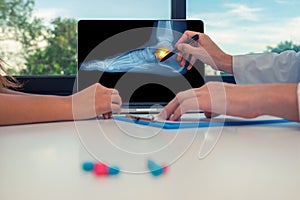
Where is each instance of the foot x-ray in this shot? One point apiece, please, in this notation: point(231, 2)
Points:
point(144, 58)
point(126, 55)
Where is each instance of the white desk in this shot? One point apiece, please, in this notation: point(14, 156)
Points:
point(43, 162)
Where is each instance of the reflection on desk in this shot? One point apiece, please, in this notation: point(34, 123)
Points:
point(43, 161)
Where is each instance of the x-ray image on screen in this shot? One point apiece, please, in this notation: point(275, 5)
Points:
point(145, 58)
point(126, 54)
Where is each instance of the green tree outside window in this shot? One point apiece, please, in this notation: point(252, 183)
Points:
point(59, 56)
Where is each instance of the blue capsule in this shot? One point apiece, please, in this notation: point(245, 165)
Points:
point(88, 166)
point(113, 170)
point(155, 169)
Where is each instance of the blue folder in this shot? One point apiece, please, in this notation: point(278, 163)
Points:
point(205, 123)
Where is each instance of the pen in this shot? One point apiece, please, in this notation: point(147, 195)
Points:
point(189, 41)
point(148, 118)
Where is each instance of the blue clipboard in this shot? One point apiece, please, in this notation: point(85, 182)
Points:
point(199, 124)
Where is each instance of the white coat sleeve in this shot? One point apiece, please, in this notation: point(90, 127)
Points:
point(267, 68)
point(298, 94)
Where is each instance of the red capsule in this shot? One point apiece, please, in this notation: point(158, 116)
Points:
point(100, 169)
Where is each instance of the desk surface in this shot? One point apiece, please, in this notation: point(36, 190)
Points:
point(43, 161)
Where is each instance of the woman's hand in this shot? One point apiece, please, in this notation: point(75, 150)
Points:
point(94, 101)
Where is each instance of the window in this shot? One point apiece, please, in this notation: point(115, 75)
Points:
point(241, 27)
point(39, 37)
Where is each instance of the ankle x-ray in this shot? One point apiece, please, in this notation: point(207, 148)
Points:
point(144, 58)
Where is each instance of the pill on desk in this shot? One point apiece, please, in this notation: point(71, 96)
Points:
point(165, 169)
point(113, 170)
point(155, 169)
point(100, 169)
point(88, 166)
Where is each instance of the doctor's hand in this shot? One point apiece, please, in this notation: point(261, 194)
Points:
point(214, 98)
point(94, 101)
point(204, 50)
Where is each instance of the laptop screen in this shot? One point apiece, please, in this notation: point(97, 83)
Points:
point(126, 54)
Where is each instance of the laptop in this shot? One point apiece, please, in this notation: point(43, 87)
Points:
point(125, 55)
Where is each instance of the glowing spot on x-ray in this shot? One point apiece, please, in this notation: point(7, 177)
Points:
point(161, 52)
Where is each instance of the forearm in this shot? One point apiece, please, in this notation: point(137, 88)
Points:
point(265, 99)
point(224, 63)
point(21, 109)
point(280, 100)
point(8, 91)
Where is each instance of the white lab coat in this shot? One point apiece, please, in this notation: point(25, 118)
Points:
point(268, 68)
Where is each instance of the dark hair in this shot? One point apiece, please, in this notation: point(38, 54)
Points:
point(7, 81)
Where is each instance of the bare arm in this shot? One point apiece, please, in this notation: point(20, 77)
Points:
point(20, 109)
point(267, 99)
point(89, 103)
point(8, 91)
point(246, 101)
